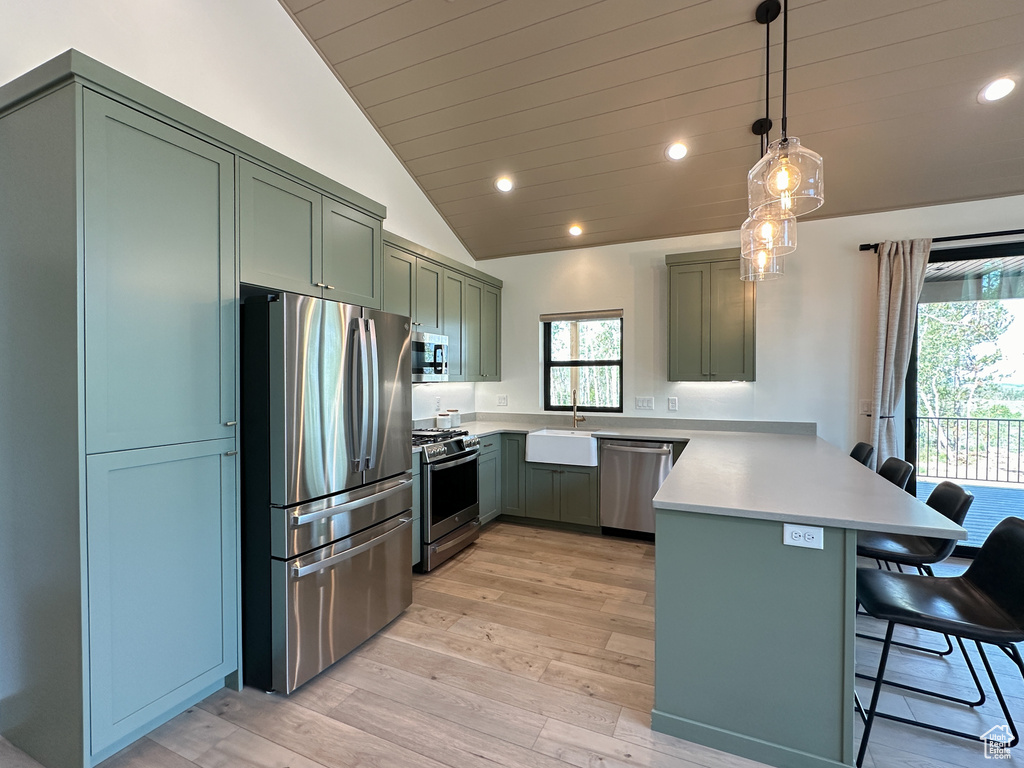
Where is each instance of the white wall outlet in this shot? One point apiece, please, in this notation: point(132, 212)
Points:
point(645, 404)
point(803, 536)
point(502, 399)
point(437, 403)
point(673, 403)
point(865, 407)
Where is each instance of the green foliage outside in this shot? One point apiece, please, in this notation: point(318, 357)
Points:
point(597, 386)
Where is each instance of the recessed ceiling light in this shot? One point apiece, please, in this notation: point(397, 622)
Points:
point(575, 230)
point(996, 90)
point(676, 151)
point(504, 184)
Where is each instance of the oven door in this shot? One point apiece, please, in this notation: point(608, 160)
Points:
point(451, 494)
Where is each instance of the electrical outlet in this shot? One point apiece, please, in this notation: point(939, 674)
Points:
point(802, 536)
point(502, 399)
point(437, 403)
point(645, 404)
point(673, 403)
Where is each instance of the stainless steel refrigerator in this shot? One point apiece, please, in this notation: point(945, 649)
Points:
point(327, 482)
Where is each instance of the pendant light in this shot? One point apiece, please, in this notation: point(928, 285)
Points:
point(767, 235)
point(788, 179)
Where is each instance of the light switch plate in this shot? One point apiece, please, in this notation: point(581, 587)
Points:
point(865, 407)
point(803, 536)
point(502, 399)
point(645, 404)
point(673, 403)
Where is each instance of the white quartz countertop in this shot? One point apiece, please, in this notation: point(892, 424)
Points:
point(795, 479)
point(484, 428)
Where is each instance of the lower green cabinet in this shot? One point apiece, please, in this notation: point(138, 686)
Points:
point(417, 531)
point(489, 473)
point(513, 474)
point(562, 492)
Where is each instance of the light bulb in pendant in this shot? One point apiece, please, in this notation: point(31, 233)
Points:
point(761, 259)
point(783, 179)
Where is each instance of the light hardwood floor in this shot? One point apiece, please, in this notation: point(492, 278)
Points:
point(531, 649)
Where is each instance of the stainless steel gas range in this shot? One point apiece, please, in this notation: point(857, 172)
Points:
point(450, 493)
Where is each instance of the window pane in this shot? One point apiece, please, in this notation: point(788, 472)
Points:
point(598, 386)
point(561, 340)
point(600, 340)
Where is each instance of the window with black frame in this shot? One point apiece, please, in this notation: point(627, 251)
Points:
point(583, 353)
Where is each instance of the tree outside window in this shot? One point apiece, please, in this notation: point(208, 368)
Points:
point(583, 354)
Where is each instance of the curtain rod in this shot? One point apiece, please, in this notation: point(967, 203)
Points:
point(953, 238)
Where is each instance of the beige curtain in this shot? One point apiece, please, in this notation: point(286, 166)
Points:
point(901, 267)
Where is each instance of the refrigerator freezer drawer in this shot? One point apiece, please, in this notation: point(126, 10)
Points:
point(328, 602)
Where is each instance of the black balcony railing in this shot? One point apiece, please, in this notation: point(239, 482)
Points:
point(970, 449)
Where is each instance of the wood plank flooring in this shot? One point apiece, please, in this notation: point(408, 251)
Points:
point(531, 649)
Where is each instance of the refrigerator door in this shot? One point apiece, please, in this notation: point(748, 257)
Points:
point(316, 381)
point(389, 433)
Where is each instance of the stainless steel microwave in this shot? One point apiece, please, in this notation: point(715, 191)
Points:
point(429, 357)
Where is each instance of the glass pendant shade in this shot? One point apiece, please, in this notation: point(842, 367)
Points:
point(763, 265)
point(787, 180)
point(765, 233)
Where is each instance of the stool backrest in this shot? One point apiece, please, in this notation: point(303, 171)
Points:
point(896, 471)
point(953, 502)
point(863, 452)
point(998, 568)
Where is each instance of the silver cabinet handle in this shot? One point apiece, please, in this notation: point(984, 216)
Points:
point(329, 287)
point(298, 572)
point(628, 449)
point(230, 453)
point(417, 323)
point(320, 285)
point(309, 517)
point(230, 423)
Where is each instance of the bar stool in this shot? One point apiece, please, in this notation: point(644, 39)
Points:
point(862, 452)
point(918, 552)
point(896, 471)
point(984, 605)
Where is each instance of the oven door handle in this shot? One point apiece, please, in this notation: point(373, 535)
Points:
point(456, 542)
point(453, 463)
point(299, 572)
point(363, 501)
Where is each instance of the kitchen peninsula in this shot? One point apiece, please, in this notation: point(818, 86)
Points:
point(754, 647)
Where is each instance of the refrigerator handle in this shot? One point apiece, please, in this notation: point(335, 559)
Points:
point(364, 370)
point(374, 390)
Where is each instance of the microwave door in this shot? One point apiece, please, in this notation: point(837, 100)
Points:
point(389, 445)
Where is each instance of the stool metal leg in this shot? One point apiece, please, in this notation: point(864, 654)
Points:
point(873, 707)
point(934, 694)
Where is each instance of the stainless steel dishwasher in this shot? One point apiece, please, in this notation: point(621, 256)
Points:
point(632, 471)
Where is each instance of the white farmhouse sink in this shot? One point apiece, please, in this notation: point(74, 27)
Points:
point(562, 446)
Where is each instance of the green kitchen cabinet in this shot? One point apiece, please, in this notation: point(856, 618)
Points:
point(429, 297)
point(162, 597)
point(513, 474)
point(490, 334)
point(352, 255)
point(453, 323)
point(565, 493)
point(399, 282)
point(417, 531)
point(159, 282)
point(711, 318)
point(293, 237)
point(280, 224)
point(489, 477)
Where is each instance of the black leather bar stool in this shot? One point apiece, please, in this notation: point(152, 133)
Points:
point(896, 471)
point(863, 452)
point(984, 605)
point(918, 552)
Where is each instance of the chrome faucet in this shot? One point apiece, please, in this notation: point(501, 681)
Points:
point(576, 419)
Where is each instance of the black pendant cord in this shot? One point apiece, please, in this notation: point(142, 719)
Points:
point(785, 63)
point(765, 137)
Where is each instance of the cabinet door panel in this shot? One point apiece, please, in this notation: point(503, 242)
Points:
point(280, 224)
point(474, 293)
point(490, 334)
point(399, 282)
point(159, 282)
point(352, 255)
point(453, 325)
point(429, 301)
point(513, 474)
point(542, 492)
point(578, 495)
point(490, 478)
point(689, 319)
point(162, 583)
point(732, 324)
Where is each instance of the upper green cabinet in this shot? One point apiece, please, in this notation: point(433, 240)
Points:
point(443, 296)
point(294, 238)
point(711, 318)
point(159, 282)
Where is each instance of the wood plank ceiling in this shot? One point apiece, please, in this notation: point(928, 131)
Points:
point(577, 100)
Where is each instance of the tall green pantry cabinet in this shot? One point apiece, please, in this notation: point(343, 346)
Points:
point(118, 532)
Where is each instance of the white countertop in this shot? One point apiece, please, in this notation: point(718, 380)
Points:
point(484, 428)
point(795, 479)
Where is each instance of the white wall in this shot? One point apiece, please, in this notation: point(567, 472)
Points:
point(815, 326)
point(243, 63)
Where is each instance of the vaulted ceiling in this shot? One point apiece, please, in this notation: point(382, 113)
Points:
point(576, 100)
